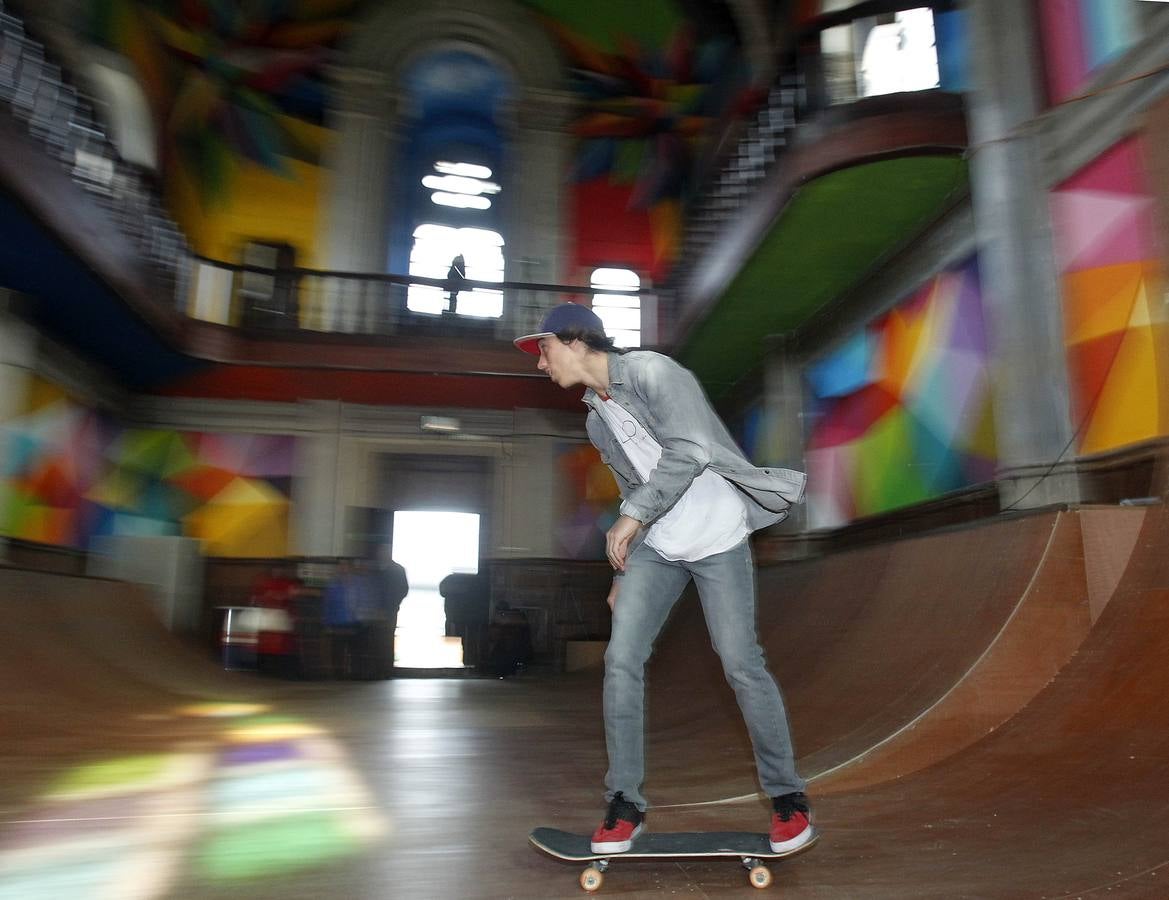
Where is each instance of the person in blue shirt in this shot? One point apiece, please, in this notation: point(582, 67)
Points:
point(339, 616)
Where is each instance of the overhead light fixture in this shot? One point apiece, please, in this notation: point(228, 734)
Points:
point(460, 201)
point(469, 170)
point(458, 184)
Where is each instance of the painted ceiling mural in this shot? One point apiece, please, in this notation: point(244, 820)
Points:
point(902, 412)
point(1105, 230)
point(229, 81)
point(644, 110)
point(236, 85)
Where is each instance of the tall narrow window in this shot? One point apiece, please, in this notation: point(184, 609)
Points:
point(883, 54)
point(452, 184)
point(621, 313)
point(900, 55)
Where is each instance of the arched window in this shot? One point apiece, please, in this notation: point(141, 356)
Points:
point(126, 108)
point(621, 313)
point(450, 186)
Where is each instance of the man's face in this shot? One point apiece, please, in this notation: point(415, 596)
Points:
point(560, 361)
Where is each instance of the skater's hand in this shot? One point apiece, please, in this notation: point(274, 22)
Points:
point(617, 540)
point(612, 598)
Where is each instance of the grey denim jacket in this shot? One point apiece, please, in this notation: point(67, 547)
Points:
point(669, 403)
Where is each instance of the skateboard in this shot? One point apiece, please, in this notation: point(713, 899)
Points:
point(751, 848)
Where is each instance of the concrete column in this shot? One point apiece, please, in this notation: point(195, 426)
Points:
point(535, 228)
point(316, 528)
point(1012, 223)
point(783, 418)
point(18, 354)
point(354, 235)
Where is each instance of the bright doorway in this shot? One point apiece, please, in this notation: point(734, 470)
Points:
point(431, 545)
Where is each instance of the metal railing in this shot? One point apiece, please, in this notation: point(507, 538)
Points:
point(309, 300)
point(37, 92)
point(743, 170)
point(55, 113)
point(808, 84)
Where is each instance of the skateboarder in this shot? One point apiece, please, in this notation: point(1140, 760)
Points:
point(689, 501)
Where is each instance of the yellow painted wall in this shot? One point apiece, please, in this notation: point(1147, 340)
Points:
point(262, 206)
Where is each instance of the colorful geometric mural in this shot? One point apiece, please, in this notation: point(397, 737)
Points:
point(643, 110)
point(71, 474)
point(591, 503)
point(1114, 321)
point(1079, 36)
point(902, 412)
point(228, 82)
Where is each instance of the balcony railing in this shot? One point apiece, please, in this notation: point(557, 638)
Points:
point(307, 300)
point(809, 84)
point(56, 114)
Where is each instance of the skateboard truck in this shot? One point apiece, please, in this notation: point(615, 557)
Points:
point(593, 876)
point(752, 849)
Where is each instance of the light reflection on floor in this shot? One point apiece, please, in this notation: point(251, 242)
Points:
point(270, 795)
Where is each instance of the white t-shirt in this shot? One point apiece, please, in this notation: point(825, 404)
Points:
point(708, 518)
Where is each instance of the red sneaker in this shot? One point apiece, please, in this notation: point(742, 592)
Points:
point(622, 824)
point(791, 823)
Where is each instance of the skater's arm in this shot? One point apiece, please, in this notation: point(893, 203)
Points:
point(618, 539)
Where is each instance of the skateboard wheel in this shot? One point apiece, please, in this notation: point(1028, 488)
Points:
point(591, 879)
point(760, 876)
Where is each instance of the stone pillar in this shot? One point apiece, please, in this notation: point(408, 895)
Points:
point(316, 528)
point(1012, 223)
point(18, 353)
point(783, 418)
point(354, 234)
point(535, 224)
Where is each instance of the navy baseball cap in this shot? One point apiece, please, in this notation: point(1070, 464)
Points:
point(561, 318)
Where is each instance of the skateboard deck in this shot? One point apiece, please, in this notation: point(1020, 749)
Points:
point(751, 848)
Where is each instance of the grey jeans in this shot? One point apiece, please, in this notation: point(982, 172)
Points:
point(648, 591)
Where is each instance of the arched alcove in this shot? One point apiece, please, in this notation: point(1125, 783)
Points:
point(372, 119)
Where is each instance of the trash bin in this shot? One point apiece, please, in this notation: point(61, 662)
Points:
point(239, 636)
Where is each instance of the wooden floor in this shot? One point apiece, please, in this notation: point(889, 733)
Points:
point(983, 713)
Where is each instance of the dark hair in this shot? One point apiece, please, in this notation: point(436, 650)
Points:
point(594, 340)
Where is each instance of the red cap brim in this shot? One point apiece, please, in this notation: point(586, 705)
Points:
point(530, 343)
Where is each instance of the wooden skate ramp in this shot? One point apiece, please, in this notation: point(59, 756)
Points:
point(891, 657)
point(1070, 798)
point(86, 666)
point(903, 667)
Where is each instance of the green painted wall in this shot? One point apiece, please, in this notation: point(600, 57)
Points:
point(833, 231)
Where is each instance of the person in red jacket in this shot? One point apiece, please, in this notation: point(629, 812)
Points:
point(275, 592)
